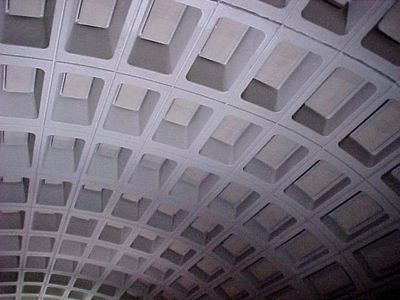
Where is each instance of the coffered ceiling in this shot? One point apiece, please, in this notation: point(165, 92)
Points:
point(198, 149)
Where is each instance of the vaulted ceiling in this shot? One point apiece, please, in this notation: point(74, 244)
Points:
point(198, 149)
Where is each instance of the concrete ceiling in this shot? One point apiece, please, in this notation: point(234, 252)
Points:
point(197, 149)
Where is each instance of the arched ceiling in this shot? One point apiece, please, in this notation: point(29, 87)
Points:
point(197, 149)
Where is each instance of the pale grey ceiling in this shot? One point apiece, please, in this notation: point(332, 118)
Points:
point(197, 149)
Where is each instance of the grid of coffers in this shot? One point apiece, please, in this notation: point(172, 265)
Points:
point(199, 149)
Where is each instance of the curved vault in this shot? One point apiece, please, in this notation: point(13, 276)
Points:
point(199, 149)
